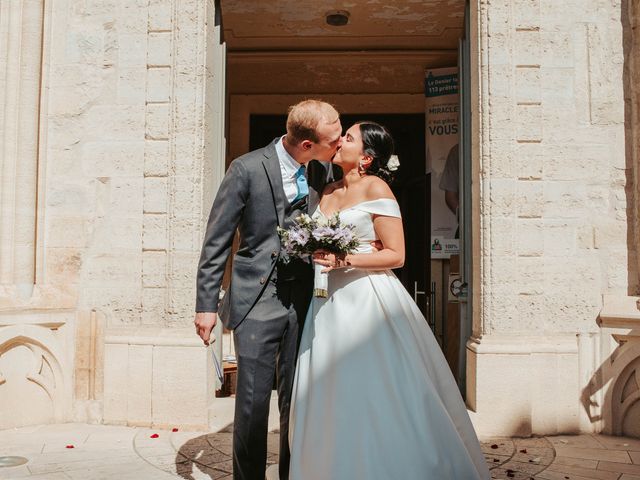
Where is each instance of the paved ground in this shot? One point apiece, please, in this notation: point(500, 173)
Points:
point(108, 452)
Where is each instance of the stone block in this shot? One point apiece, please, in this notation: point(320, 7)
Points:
point(502, 197)
point(181, 389)
point(156, 158)
point(184, 193)
point(558, 89)
point(606, 93)
point(529, 237)
point(585, 236)
point(160, 15)
point(558, 49)
point(157, 122)
point(159, 84)
point(576, 163)
point(527, 47)
point(68, 199)
point(564, 200)
point(66, 232)
point(526, 14)
point(154, 232)
point(186, 155)
point(116, 233)
point(185, 233)
point(559, 237)
point(140, 374)
point(182, 303)
point(533, 310)
point(112, 269)
point(86, 46)
point(115, 123)
point(159, 49)
point(530, 199)
point(154, 306)
point(133, 16)
point(108, 297)
point(503, 234)
point(126, 195)
point(132, 51)
point(112, 159)
point(156, 195)
point(63, 265)
point(531, 276)
point(529, 161)
point(131, 85)
point(528, 85)
point(116, 376)
point(503, 274)
point(611, 235)
point(154, 269)
point(529, 120)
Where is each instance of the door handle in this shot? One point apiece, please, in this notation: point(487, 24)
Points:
point(417, 292)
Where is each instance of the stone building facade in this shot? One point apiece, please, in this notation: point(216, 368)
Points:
point(117, 121)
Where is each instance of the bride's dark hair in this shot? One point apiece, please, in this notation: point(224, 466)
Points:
point(377, 143)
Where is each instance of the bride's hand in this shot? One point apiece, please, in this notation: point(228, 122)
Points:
point(329, 260)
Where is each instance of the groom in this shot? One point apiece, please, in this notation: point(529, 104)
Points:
point(267, 301)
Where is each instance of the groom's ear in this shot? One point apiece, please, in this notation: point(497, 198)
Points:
point(306, 145)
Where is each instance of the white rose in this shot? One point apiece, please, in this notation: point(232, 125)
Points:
point(393, 163)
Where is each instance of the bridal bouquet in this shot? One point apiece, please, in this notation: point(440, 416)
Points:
point(310, 234)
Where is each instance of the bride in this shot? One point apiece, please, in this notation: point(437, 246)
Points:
point(373, 397)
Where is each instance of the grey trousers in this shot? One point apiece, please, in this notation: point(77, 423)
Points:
point(266, 344)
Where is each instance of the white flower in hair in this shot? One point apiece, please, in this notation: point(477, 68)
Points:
point(393, 163)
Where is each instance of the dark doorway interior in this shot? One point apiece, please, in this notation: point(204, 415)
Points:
point(411, 187)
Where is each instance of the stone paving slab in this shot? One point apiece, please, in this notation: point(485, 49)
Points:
point(127, 453)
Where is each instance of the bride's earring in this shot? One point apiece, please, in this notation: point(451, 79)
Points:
point(361, 169)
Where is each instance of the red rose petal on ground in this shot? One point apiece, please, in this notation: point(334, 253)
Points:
point(155, 435)
point(494, 446)
point(174, 430)
point(69, 446)
point(524, 450)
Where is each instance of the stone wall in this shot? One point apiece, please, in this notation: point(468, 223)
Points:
point(120, 180)
point(552, 206)
point(631, 36)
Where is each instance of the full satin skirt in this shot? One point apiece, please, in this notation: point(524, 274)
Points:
point(373, 396)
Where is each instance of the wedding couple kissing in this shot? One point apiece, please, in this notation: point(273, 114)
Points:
point(364, 391)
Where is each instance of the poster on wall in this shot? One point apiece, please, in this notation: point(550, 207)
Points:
point(442, 137)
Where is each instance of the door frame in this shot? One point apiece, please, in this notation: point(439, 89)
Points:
point(241, 107)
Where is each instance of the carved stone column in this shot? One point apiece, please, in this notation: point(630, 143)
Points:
point(21, 28)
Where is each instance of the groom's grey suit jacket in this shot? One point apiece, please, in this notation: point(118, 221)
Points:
point(250, 198)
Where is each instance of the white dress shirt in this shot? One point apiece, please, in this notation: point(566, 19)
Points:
point(288, 169)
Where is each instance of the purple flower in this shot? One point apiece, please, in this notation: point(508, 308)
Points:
point(342, 234)
point(322, 233)
point(298, 236)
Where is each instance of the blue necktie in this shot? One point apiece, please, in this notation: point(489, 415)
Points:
point(301, 182)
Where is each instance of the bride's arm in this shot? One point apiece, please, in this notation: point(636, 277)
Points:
point(389, 231)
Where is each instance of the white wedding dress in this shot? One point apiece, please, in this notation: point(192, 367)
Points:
point(373, 396)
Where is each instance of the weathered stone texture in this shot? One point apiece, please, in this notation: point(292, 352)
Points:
point(545, 63)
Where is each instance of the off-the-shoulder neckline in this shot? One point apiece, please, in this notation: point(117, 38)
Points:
point(354, 206)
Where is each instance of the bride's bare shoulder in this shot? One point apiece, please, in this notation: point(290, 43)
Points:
point(376, 188)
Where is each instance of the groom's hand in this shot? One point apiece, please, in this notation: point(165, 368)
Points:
point(204, 322)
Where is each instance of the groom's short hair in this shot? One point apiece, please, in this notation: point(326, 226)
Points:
point(304, 118)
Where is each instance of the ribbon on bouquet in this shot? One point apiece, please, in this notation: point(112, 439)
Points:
point(320, 281)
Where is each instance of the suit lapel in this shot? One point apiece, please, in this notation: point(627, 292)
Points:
point(272, 168)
